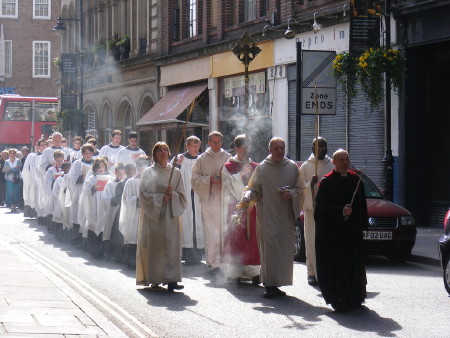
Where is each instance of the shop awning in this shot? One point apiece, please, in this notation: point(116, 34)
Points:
point(172, 104)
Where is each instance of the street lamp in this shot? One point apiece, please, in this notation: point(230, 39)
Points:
point(60, 28)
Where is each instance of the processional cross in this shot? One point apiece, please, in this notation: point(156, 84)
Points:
point(246, 50)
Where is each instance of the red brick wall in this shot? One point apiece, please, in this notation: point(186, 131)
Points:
point(23, 31)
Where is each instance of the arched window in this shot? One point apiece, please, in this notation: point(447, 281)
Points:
point(91, 121)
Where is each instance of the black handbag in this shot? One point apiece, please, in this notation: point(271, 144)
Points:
point(16, 178)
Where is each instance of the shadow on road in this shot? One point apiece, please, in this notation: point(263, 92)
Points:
point(172, 301)
point(366, 320)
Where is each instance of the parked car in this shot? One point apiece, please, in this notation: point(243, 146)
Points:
point(392, 229)
point(444, 251)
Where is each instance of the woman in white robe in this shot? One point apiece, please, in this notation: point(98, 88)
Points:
point(159, 234)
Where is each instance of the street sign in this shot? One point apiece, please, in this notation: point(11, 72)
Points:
point(318, 82)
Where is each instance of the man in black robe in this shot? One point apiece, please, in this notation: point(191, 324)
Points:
point(339, 239)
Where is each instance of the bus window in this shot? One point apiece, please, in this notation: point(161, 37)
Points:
point(45, 111)
point(17, 111)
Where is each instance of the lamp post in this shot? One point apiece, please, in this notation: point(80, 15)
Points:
point(61, 28)
point(388, 159)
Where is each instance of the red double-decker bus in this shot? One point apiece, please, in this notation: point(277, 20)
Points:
point(23, 119)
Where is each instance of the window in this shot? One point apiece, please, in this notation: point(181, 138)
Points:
point(8, 58)
point(8, 8)
point(249, 10)
point(41, 58)
point(22, 111)
point(192, 18)
point(41, 9)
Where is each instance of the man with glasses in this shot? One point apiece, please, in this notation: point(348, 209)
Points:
point(311, 172)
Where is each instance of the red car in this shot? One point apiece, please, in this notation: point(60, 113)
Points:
point(392, 228)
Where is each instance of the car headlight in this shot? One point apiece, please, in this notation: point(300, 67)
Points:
point(407, 220)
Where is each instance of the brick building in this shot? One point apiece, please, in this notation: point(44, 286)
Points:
point(27, 46)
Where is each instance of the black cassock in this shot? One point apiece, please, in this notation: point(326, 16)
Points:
point(339, 242)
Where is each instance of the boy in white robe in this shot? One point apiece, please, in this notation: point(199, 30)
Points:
point(94, 205)
point(130, 153)
point(77, 175)
point(112, 208)
point(111, 151)
point(129, 215)
point(51, 175)
point(59, 201)
point(75, 152)
point(193, 238)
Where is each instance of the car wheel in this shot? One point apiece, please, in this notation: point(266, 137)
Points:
point(399, 257)
point(447, 273)
point(300, 253)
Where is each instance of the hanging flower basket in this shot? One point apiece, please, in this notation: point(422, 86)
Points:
point(344, 69)
point(368, 69)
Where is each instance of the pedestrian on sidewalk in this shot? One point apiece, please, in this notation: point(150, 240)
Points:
point(13, 179)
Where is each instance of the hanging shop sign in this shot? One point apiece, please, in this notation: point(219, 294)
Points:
point(364, 25)
point(69, 81)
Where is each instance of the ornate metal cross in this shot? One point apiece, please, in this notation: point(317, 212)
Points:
point(246, 50)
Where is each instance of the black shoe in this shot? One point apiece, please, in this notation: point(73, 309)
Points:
point(272, 292)
point(256, 281)
point(340, 305)
point(174, 286)
point(312, 281)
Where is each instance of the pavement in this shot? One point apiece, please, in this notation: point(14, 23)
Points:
point(34, 302)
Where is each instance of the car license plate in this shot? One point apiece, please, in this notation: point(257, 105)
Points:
point(377, 235)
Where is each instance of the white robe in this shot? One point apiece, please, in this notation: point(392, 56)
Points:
point(58, 199)
point(129, 211)
point(112, 153)
point(77, 169)
point(47, 158)
point(307, 171)
point(29, 184)
point(109, 193)
point(75, 155)
point(275, 218)
point(92, 210)
point(50, 176)
point(188, 214)
point(158, 258)
point(210, 163)
point(40, 195)
point(127, 155)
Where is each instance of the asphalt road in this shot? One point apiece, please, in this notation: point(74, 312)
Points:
point(406, 300)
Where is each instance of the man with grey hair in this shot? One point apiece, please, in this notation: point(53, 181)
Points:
point(341, 217)
point(207, 183)
point(275, 188)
